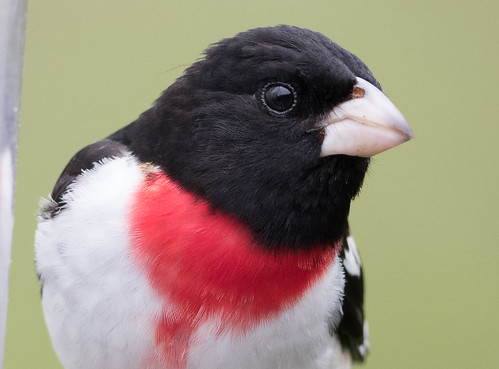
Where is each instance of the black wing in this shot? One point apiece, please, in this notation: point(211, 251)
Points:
point(352, 330)
point(85, 159)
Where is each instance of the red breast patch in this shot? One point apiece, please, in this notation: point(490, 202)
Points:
point(206, 264)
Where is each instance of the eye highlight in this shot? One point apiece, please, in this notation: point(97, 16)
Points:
point(279, 97)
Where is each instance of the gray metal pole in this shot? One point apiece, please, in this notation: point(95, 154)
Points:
point(12, 26)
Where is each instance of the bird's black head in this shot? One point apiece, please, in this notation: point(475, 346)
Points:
point(242, 129)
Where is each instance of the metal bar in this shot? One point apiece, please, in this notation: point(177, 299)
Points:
point(12, 28)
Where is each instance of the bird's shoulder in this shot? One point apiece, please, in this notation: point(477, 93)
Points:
point(83, 160)
point(352, 330)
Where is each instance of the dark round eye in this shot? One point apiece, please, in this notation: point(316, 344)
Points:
point(280, 98)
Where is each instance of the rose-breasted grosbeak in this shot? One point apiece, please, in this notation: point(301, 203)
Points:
point(212, 232)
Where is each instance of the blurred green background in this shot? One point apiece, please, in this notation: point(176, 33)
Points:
point(426, 222)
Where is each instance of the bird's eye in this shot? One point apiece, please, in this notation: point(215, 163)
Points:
point(279, 97)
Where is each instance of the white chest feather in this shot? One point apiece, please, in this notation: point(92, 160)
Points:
point(101, 311)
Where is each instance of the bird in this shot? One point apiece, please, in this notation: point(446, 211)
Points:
point(212, 231)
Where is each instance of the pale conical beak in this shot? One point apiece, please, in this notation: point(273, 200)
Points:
point(365, 125)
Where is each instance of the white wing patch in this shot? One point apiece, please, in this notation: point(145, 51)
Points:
point(352, 261)
point(364, 348)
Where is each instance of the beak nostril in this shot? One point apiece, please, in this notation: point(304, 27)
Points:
point(358, 93)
